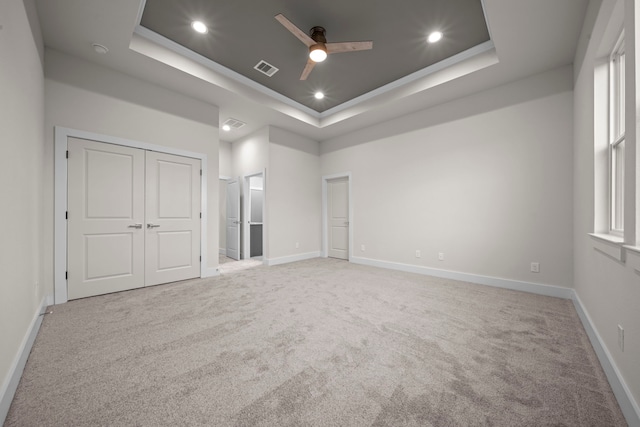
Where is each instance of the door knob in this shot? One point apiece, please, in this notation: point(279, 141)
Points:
point(149, 225)
point(135, 226)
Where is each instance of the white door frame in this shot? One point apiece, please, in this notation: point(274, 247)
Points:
point(325, 216)
point(220, 250)
point(246, 212)
point(237, 203)
point(60, 200)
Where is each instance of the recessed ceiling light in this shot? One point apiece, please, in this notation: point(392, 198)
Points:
point(199, 27)
point(100, 48)
point(226, 128)
point(434, 37)
point(319, 95)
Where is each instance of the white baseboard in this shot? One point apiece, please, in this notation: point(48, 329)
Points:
point(222, 251)
point(625, 399)
point(10, 384)
point(291, 258)
point(211, 272)
point(516, 285)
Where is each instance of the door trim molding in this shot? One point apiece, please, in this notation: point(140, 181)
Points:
point(60, 199)
point(325, 226)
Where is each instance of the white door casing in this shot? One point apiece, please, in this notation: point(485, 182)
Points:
point(172, 225)
point(233, 218)
point(105, 218)
point(338, 218)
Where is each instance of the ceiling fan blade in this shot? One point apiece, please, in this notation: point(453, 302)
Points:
point(348, 46)
point(307, 69)
point(301, 35)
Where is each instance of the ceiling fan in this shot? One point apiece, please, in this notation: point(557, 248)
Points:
point(318, 46)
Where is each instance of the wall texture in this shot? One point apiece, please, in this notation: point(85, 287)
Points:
point(83, 96)
point(21, 181)
point(225, 171)
point(486, 180)
point(608, 289)
point(294, 199)
point(292, 189)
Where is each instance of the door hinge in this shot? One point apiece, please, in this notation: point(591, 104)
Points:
point(67, 154)
point(200, 214)
point(66, 215)
point(66, 275)
point(200, 172)
point(200, 258)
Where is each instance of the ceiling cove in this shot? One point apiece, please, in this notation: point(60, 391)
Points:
point(241, 34)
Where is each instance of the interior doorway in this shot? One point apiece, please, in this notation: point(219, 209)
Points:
point(233, 221)
point(337, 223)
point(254, 213)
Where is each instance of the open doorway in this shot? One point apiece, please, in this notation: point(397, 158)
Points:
point(242, 211)
point(254, 213)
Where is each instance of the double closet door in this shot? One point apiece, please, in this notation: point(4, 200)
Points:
point(133, 218)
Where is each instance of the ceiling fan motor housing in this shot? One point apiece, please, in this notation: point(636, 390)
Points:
point(318, 34)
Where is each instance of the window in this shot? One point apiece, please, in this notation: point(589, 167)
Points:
point(616, 137)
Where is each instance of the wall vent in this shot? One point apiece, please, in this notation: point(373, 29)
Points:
point(233, 123)
point(265, 68)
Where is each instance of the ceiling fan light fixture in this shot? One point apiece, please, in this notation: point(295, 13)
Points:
point(318, 52)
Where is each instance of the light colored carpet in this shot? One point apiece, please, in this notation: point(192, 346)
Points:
point(315, 343)
point(234, 266)
point(223, 259)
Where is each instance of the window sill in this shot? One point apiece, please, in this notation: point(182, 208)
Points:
point(612, 246)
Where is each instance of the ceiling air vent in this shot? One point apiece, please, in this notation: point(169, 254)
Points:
point(233, 123)
point(265, 68)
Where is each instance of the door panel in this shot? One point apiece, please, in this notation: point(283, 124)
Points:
point(105, 199)
point(172, 247)
point(233, 218)
point(338, 213)
point(176, 251)
point(108, 255)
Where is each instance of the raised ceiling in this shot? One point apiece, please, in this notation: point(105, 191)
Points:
point(527, 37)
point(244, 32)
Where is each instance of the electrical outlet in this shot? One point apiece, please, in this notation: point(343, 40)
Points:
point(418, 253)
point(441, 256)
point(535, 267)
point(621, 337)
point(362, 248)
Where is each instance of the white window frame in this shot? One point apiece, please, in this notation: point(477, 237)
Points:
point(616, 137)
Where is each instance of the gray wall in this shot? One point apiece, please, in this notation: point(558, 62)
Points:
point(292, 189)
point(21, 182)
point(609, 289)
point(485, 179)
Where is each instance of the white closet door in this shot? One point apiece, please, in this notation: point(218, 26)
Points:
point(105, 218)
point(172, 218)
point(338, 206)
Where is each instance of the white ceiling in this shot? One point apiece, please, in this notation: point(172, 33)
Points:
point(530, 36)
